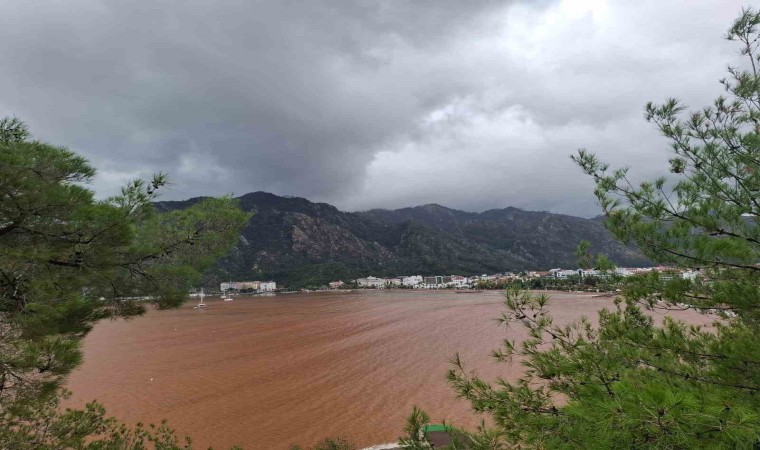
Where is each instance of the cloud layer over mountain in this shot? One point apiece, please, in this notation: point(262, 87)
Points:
point(473, 105)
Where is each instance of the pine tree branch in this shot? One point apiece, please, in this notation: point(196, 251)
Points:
point(688, 376)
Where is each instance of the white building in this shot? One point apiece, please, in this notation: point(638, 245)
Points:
point(690, 275)
point(377, 283)
point(436, 282)
point(413, 280)
point(459, 282)
point(261, 286)
point(336, 284)
point(588, 273)
point(239, 285)
point(267, 286)
point(562, 273)
point(567, 273)
point(394, 281)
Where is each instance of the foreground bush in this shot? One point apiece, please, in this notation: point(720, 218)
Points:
point(68, 260)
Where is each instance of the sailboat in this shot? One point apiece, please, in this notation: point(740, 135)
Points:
point(226, 296)
point(201, 305)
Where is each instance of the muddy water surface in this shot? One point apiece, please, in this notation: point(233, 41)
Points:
point(266, 372)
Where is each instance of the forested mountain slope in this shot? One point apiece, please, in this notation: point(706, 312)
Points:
point(297, 242)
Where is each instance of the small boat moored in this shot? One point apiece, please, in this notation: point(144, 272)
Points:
point(201, 305)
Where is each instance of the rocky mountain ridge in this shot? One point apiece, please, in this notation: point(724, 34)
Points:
point(300, 243)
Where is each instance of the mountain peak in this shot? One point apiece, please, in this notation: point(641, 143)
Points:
point(435, 207)
point(298, 242)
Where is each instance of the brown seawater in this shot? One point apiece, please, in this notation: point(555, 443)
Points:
point(267, 372)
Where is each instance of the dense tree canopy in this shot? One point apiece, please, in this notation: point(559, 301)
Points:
point(629, 382)
point(68, 260)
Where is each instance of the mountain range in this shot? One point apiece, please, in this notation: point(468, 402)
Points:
point(300, 243)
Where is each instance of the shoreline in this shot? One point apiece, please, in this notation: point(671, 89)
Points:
point(599, 293)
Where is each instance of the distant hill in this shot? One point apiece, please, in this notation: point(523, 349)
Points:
point(299, 243)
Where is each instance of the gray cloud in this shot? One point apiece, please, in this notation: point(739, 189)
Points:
point(363, 104)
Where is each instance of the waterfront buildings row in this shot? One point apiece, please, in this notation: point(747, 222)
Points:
point(462, 282)
point(256, 286)
point(465, 282)
point(415, 281)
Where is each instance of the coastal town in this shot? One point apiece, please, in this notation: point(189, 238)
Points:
point(472, 281)
point(475, 281)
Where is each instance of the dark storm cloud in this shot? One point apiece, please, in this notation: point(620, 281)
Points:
point(363, 104)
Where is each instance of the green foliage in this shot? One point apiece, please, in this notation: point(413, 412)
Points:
point(484, 438)
point(584, 255)
point(414, 425)
point(44, 426)
point(626, 383)
point(707, 216)
point(586, 260)
point(629, 382)
point(68, 260)
point(314, 276)
point(13, 129)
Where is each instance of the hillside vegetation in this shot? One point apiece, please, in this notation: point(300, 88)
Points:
point(300, 243)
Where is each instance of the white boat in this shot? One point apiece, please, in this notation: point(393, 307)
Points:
point(201, 305)
point(226, 296)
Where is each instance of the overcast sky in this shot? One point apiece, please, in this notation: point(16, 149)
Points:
point(362, 104)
